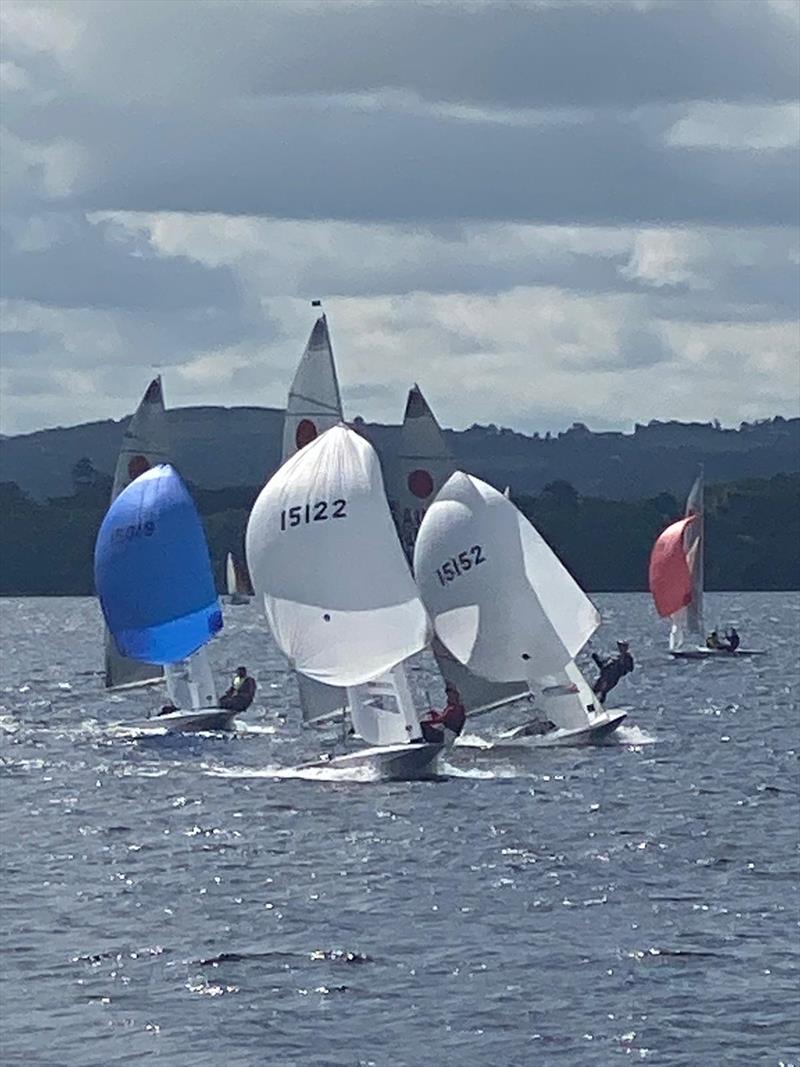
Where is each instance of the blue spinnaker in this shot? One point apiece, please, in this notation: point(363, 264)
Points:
point(152, 571)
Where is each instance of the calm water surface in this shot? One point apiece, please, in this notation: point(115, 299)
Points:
point(174, 898)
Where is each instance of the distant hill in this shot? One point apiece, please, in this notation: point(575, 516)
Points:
point(218, 447)
point(752, 534)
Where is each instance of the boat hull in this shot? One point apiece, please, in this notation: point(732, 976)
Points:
point(238, 598)
point(601, 727)
point(716, 653)
point(189, 722)
point(393, 763)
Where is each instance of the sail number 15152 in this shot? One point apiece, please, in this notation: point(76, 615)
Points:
point(460, 564)
point(318, 512)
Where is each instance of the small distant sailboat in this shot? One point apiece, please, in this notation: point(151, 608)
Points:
point(156, 588)
point(144, 444)
point(508, 611)
point(236, 582)
point(676, 582)
point(338, 594)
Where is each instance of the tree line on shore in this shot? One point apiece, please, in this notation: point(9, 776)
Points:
point(752, 534)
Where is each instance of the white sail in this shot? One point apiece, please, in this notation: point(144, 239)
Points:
point(422, 466)
point(382, 711)
point(687, 623)
point(230, 575)
point(314, 404)
point(327, 567)
point(144, 444)
point(501, 601)
point(190, 683)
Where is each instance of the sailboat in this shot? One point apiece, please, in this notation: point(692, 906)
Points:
point(420, 469)
point(676, 582)
point(338, 595)
point(236, 582)
point(313, 406)
point(156, 588)
point(144, 444)
point(505, 608)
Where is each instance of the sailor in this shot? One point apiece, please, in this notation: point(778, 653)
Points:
point(241, 693)
point(167, 709)
point(447, 724)
point(712, 641)
point(732, 639)
point(612, 669)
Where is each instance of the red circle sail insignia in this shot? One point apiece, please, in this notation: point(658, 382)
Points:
point(137, 465)
point(420, 483)
point(305, 433)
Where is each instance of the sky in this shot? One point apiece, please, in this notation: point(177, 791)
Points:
point(542, 212)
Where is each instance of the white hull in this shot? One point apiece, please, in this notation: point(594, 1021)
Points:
point(602, 725)
point(187, 722)
point(715, 653)
point(406, 762)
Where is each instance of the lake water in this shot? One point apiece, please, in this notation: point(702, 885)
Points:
point(170, 897)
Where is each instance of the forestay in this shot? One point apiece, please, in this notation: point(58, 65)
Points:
point(144, 444)
point(327, 566)
point(501, 601)
point(153, 573)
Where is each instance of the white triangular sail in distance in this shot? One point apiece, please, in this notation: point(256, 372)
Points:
point(144, 445)
point(327, 568)
point(421, 467)
point(230, 575)
point(501, 601)
point(687, 622)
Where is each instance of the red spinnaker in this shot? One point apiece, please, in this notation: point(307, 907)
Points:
point(670, 577)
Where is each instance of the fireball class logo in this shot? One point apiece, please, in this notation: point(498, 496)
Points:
point(137, 465)
point(305, 433)
point(420, 483)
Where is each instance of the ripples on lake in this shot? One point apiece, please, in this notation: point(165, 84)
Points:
point(176, 896)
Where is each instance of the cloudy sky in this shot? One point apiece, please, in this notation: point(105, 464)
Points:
point(540, 211)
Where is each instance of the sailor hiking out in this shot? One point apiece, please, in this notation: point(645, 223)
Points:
point(448, 723)
point(611, 670)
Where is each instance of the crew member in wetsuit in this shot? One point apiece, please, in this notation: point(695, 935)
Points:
point(712, 641)
point(241, 693)
point(451, 718)
point(611, 670)
point(167, 710)
point(732, 640)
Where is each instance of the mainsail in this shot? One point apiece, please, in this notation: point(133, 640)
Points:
point(676, 572)
point(421, 467)
point(327, 567)
point(144, 444)
point(153, 572)
point(501, 601)
point(314, 405)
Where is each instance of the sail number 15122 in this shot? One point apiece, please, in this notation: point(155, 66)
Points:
point(460, 564)
point(318, 512)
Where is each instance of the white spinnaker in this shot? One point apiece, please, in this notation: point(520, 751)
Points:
point(687, 624)
point(190, 683)
point(327, 566)
point(144, 444)
point(422, 466)
point(501, 601)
